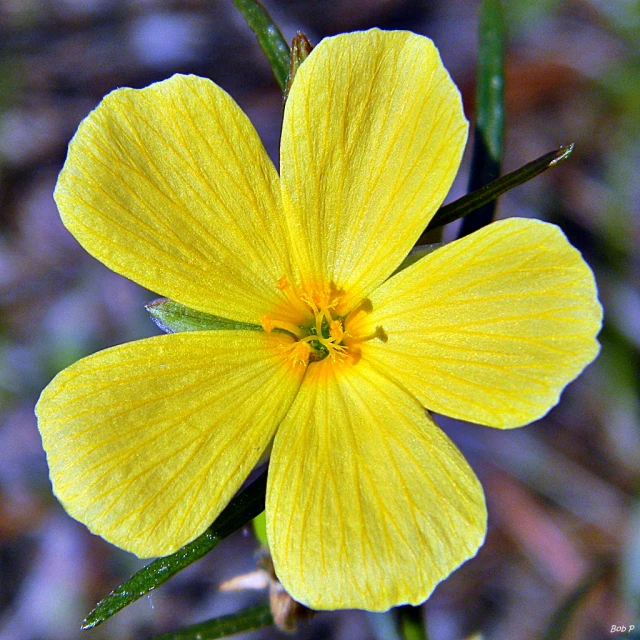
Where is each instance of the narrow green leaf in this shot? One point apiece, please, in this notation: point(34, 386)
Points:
point(490, 87)
point(489, 131)
point(562, 616)
point(173, 317)
point(271, 40)
point(472, 201)
point(243, 508)
point(245, 620)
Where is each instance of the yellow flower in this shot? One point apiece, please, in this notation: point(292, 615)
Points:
point(369, 504)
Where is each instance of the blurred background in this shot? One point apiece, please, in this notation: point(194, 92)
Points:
point(564, 524)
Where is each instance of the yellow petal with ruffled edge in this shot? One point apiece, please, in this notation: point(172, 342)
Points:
point(171, 187)
point(369, 504)
point(372, 138)
point(489, 328)
point(148, 441)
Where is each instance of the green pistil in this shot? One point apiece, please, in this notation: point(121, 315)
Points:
point(318, 350)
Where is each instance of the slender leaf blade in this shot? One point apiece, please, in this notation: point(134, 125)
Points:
point(242, 509)
point(472, 201)
point(489, 131)
point(270, 38)
point(245, 620)
point(490, 88)
point(173, 317)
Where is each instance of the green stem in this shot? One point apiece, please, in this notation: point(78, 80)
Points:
point(412, 625)
point(271, 40)
point(243, 508)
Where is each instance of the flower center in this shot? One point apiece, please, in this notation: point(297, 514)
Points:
point(321, 335)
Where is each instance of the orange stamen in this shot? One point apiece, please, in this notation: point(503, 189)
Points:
point(267, 322)
point(300, 352)
point(336, 331)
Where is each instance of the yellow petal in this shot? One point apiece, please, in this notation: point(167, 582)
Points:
point(171, 187)
point(369, 504)
point(372, 137)
point(490, 328)
point(148, 441)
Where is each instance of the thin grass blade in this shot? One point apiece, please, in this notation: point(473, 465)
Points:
point(271, 40)
point(241, 510)
point(246, 620)
point(488, 140)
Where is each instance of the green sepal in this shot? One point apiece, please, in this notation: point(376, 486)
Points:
point(271, 40)
point(472, 201)
point(486, 158)
point(241, 510)
point(246, 620)
point(173, 317)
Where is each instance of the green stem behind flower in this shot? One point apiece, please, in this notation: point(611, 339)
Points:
point(412, 625)
point(244, 507)
point(271, 40)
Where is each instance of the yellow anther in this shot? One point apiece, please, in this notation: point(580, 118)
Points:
point(381, 334)
point(318, 300)
point(300, 352)
point(308, 300)
point(337, 352)
point(283, 284)
point(321, 299)
point(378, 334)
point(267, 322)
point(336, 331)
